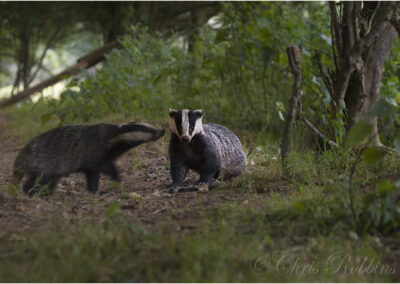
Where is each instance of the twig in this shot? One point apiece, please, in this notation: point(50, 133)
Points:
point(325, 77)
point(316, 131)
point(312, 127)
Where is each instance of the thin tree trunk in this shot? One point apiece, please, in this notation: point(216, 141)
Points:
point(293, 54)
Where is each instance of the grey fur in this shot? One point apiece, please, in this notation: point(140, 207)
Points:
point(91, 149)
point(228, 148)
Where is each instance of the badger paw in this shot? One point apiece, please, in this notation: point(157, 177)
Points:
point(173, 188)
point(214, 184)
point(202, 187)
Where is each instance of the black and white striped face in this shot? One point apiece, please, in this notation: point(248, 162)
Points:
point(186, 123)
point(138, 133)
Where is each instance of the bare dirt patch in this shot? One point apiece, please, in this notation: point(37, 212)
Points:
point(142, 195)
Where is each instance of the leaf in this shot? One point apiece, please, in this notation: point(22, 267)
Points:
point(299, 206)
point(112, 208)
point(353, 235)
point(385, 187)
point(357, 133)
point(64, 77)
point(382, 108)
point(372, 156)
point(45, 118)
point(281, 116)
point(222, 35)
point(396, 144)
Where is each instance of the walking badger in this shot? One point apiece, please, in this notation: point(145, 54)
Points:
point(91, 149)
point(211, 150)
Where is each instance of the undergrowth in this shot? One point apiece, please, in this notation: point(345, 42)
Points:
point(298, 229)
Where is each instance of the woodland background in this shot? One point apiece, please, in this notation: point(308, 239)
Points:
point(319, 124)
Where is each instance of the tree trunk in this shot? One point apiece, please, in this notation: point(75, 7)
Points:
point(362, 35)
point(361, 96)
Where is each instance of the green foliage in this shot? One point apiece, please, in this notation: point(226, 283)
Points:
point(358, 133)
point(112, 209)
point(223, 234)
point(132, 83)
point(372, 156)
point(236, 72)
point(381, 210)
point(232, 242)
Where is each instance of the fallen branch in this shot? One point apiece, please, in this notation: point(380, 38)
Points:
point(86, 62)
point(312, 127)
point(316, 131)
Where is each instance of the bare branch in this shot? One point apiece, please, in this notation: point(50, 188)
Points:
point(335, 25)
point(48, 45)
point(316, 131)
point(87, 61)
point(328, 82)
point(355, 13)
point(312, 127)
point(335, 57)
point(348, 33)
point(371, 19)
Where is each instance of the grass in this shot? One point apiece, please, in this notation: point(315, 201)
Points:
point(277, 230)
point(233, 243)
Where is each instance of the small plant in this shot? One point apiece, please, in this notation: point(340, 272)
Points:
point(379, 210)
point(12, 190)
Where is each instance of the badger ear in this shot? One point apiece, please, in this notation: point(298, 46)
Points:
point(172, 112)
point(198, 113)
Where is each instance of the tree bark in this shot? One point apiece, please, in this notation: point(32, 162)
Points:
point(362, 38)
point(363, 90)
point(364, 85)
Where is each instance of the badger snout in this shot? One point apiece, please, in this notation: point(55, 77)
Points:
point(185, 138)
point(159, 133)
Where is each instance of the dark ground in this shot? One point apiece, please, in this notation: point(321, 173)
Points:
point(143, 193)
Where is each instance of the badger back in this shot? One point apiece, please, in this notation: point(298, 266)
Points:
point(228, 147)
point(65, 149)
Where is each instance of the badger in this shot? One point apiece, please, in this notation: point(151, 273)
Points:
point(211, 150)
point(90, 149)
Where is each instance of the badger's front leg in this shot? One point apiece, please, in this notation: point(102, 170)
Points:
point(208, 170)
point(178, 173)
point(178, 169)
point(92, 178)
point(111, 170)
